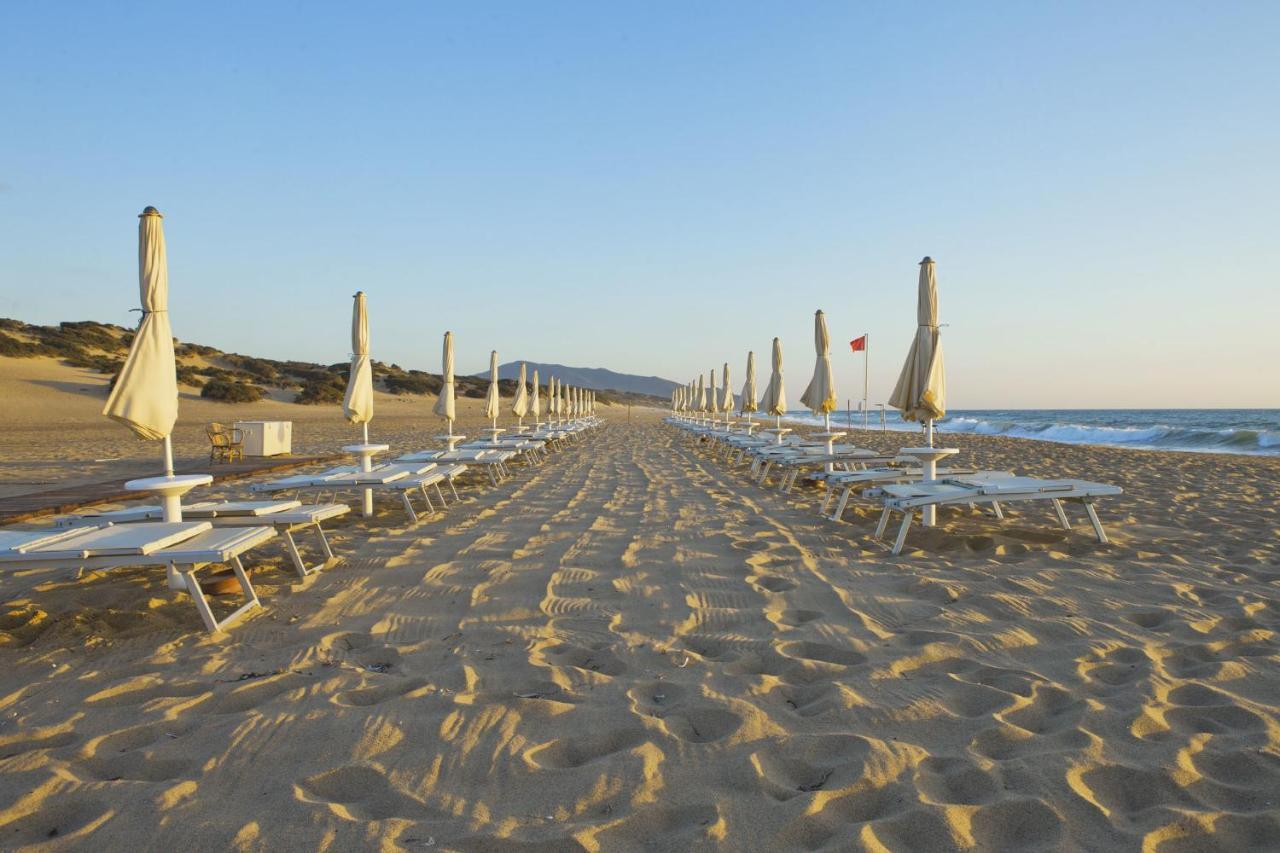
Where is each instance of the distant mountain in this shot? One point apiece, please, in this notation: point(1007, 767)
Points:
point(596, 378)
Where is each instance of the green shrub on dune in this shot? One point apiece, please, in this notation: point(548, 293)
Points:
point(231, 391)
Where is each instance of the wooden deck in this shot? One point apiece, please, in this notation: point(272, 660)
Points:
point(71, 498)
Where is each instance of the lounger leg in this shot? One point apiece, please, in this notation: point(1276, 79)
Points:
point(324, 543)
point(1093, 519)
point(995, 507)
point(902, 532)
point(427, 500)
point(202, 604)
point(1062, 514)
point(884, 523)
point(408, 506)
point(454, 489)
point(826, 500)
point(440, 494)
point(844, 501)
point(299, 566)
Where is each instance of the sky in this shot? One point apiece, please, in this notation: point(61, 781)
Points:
point(658, 188)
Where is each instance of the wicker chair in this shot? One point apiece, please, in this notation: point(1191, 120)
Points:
point(226, 444)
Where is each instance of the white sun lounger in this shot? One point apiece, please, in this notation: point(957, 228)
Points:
point(848, 482)
point(187, 546)
point(491, 461)
point(285, 516)
point(906, 498)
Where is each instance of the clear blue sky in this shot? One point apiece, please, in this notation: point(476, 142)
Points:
point(658, 187)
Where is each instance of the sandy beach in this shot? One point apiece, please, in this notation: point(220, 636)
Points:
point(632, 647)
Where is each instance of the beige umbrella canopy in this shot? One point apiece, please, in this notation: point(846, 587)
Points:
point(700, 403)
point(921, 392)
point(564, 402)
point(535, 401)
point(357, 406)
point(145, 396)
point(726, 393)
point(775, 394)
point(747, 404)
point(492, 402)
point(713, 405)
point(520, 406)
point(820, 396)
point(446, 405)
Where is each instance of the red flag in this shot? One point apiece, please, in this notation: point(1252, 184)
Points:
point(858, 344)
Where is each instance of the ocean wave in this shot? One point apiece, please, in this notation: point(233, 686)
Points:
point(1146, 436)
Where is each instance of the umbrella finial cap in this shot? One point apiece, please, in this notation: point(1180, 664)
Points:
point(927, 260)
point(149, 211)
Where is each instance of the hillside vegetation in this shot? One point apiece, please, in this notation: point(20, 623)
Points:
point(232, 377)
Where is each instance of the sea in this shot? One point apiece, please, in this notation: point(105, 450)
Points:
point(1244, 431)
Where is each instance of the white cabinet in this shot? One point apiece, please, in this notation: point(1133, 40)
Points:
point(266, 438)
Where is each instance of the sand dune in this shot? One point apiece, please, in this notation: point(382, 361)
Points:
point(633, 648)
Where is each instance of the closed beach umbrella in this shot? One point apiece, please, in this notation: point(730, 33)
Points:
point(775, 394)
point(700, 401)
point(726, 393)
point(820, 396)
point(357, 406)
point(535, 402)
point(492, 401)
point(564, 402)
point(713, 405)
point(145, 396)
point(520, 406)
point(921, 392)
point(747, 404)
point(445, 406)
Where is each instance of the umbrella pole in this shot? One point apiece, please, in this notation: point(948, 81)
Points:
point(365, 425)
point(168, 456)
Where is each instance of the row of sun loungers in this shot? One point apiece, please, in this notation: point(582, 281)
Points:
point(220, 533)
point(895, 482)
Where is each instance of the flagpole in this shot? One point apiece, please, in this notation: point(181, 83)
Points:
point(866, 376)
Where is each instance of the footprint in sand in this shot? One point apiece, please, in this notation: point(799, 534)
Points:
point(24, 742)
point(1117, 668)
point(655, 698)
point(1016, 824)
point(133, 754)
point(1227, 832)
point(136, 691)
point(361, 793)
point(800, 765)
point(773, 583)
point(580, 749)
point(975, 700)
point(598, 659)
point(1050, 711)
point(252, 694)
point(701, 725)
point(956, 781)
point(809, 700)
point(1201, 709)
point(662, 827)
point(364, 697)
point(794, 618)
point(806, 650)
point(58, 820)
point(1130, 791)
